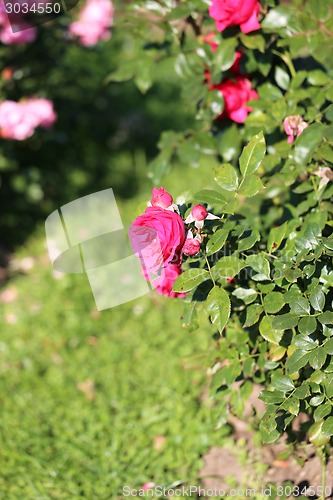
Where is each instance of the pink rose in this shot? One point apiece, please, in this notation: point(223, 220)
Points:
point(25, 33)
point(236, 94)
point(94, 22)
point(191, 246)
point(294, 126)
point(199, 212)
point(161, 198)
point(41, 111)
point(171, 273)
point(157, 238)
point(242, 13)
point(15, 122)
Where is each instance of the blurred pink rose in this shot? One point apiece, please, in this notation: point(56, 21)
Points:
point(15, 122)
point(236, 94)
point(26, 34)
point(94, 23)
point(41, 111)
point(294, 126)
point(148, 486)
point(171, 273)
point(242, 13)
point(157, 238)
point(161, 198)
point(18, 120)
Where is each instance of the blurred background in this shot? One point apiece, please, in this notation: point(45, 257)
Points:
point(90, 401)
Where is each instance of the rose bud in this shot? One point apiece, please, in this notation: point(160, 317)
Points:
point(191, 246)
point(199, 212)
point(161, 198)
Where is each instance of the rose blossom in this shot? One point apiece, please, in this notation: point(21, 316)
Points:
point(191, 245)
point(157, 238)
point(293, 127)
point(236, 94)
point(95, 20)
point(18, 120)
point(171, 273)
point(41, 111)
point(242, 13)
point(15, 122)
point(161, 198)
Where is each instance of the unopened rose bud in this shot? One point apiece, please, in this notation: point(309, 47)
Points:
point(199, 212)
point(191, 246)
point(161, 198)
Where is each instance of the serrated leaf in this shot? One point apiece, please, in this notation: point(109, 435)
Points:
point(226, 177)
point(273, 302)
point(307, 325)
point(317, 299)
point(317, 357)
point(249, 241)
point(276, 237)
point(326, 318)
point(251, 186)
point(300, 306)
point(268, 332)
point(218, 307)
point(328, 426)
point(247, 295)
point(322, 411)
point(216, 242)
point(210, 196)
point(260, 264)
point(305, 342)
point(328, 346)
point(253, 313)
point(292, 405)
point(297, 360)
point(252, 155)
point(190, 279)
point(283, 383)
point(271, 397)
point(285, 321)
point(229, 266)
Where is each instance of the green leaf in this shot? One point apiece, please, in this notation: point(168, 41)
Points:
point(251, 186)
point(260, 264)
point(247, 295)
point(210, 196)
point(253, 41)
point(317, 400)
point(249, 242)
point(285, 321)
point(218, 307)
point(326, 318)
point(224, 56)
point(216, 242)
point(273, 302)
point(297, 360)
point(322, 411)
point(292, 405)
point(190, 279)
point(307, 142)
point(282, 78)
point(252, 155)
point(307, 325)
point(317, 299)
point(190, 316)
point(229, 143)
point(271, 397)
point(253, 313)
point(300, 306)
point(305, 342)
point(268, 332)
point(230, 266)
point(317, 435)
point(226, 177)
point(282, 383)
point(317, 357)
point(276, 19)
point(328, 426)
point(276, 237)
point(328, 346)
